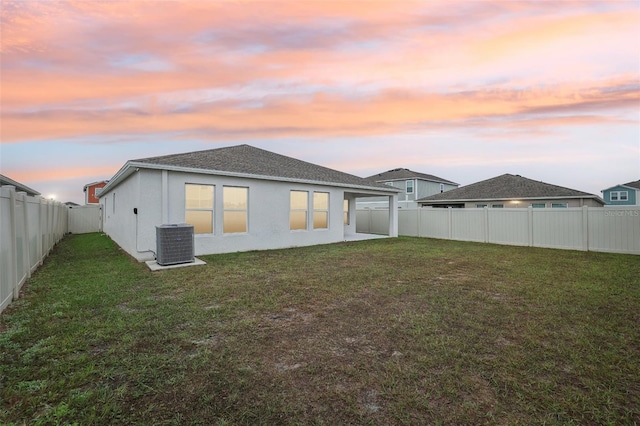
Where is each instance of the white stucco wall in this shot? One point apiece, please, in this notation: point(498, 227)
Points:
point(268, 213)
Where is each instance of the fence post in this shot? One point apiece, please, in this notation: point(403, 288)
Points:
point(530, 224)
point(486, 224)
point(26, 250)
point(13, 264)
point(585, 228)
point(450, 219)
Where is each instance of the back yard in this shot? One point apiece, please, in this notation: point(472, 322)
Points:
point(392, 331)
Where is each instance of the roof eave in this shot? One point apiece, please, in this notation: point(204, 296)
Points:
point(130, 167)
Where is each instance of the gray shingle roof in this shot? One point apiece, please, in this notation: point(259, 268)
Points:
point(246, 159)
point(4, 180)
point(507, 186)
point(406, 174)
point(635, 184)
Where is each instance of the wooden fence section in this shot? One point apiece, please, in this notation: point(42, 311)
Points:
point(609, 229)
point(29, 228)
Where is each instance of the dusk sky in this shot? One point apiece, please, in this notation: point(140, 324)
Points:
point(464, 90)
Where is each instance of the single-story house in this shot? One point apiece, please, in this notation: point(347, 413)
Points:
point(237, 198)
point(509, 191)
point(91, 191)
point(412, 186)
point(627, 194)
point(4, 180)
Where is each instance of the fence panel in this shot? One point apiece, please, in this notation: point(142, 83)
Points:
point(469, 225)
point(85, 219)
point(615, 229)
point(608, 229)
point(408, 220)
point(559, 228)
point(508, 226)
point(29, 228)
point(434, 223)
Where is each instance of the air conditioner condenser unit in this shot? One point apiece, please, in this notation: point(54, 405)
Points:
point(174, 244)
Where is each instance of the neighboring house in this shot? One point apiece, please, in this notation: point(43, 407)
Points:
point(623, 195)
point(92, 191)
point(510, 191)
point(4, 180)
point(413, 186)
point(237, 198)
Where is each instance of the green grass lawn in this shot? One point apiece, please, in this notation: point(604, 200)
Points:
point(391, 331)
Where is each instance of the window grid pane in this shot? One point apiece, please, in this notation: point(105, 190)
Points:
point(299, 201)
point(199, 207)
point(320, 210)
point(234, 218)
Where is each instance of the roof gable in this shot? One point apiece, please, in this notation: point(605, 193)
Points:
point(246, 160)
point(507, 186)
point(401, 173)
point(631, 185)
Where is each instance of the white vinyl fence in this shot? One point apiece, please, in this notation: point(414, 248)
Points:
point(85, 219)
point(29, 228)
point(607, 229)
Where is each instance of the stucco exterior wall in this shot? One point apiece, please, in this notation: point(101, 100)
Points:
point(159, 197)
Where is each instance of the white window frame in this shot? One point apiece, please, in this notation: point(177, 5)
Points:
point(236, 210)
point(559, 205)
point(619, 196)
point(305, 210)
point(497, 206)
point(317, 210)
point(538, 205)
point(481, 206)
point(409, 186)
point(205, 209)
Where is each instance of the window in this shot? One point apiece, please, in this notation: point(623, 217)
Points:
point(559, 205)
point(320, 210)
point(409, 185)
point(113, 204)
point(199, 207)
point(234, 201)
point(298, 202)
point(345, 212)
point(619, 196)
point(497, 206)
point(538, 205)
point(480, 206)
point(442, 187)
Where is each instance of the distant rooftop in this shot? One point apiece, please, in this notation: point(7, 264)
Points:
point(506, 187)
point(400, 173)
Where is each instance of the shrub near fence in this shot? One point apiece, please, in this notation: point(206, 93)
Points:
point(607, 229)
point(29, 228)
